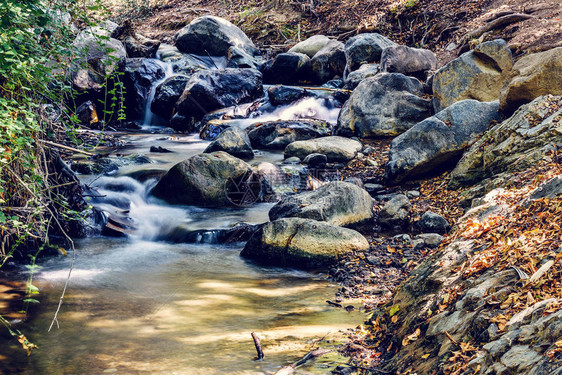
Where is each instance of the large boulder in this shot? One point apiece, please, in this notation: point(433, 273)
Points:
point(408, 60)
point(214, 179)
point(286, 68)
point(385, 105)
point(337, 203)
point(167, 94)
point(311, 45)
point(365, 48)
point(336, 149)
point(140, 74)
point(353, 79)
point(514, 145)
point(532, 76)
point(209, 90)
point(234, 141)
point(212, 35)
point(328, 63)
point(439, 141)
point(279, 134)
point(138, 45)
point(478, 74)
point(302, 243)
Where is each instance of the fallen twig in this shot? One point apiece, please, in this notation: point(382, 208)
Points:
point(290, 369)
point(65, 147)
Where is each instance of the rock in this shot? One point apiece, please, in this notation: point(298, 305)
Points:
point(167, 94)
point(292, 160)
point(355, 181)
point(188, 64)
point(209, 90)
point(336, 149)
point(96, 61)
point(316, 161)
point(279, 134)
point(234, 141)
point(354, 78)
point(394, 213)
point(302, 243)
point(337, 203)
point(411, 194)
point(430, 222)
point(328, 63)
point(478, 74)
point(140, 74)
point(365, 48)
point(514, 145)
point(550, 189)
point(213, 128)
point(311, 46)
point(532, 76)
point(430, 240)
point(183, 123)
point(281, 95)
point(286, 68)
point(373, 188)
point(86, 114)
point(438, 142)
point(159, 149)
point(385, 105)
point(214, 179)
point(408, 60)
point(212, 35)
point(238, 58)
point(140, 46)
point(168, 53)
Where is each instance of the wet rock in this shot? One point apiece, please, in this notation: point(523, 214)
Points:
point(337, 203)
point(430, 222)
point(365, 71)
point(478, 74)
point(328, 63)
point(408, 60)
point(438, 142)
point(87, 114)
point(311, 45)
point(281, 95)
point(213, 128)
point(214, 179)
point(159, 149)
point(336, 149)
point(167, 94)
point(365, 48)
point(209, 90)
point(316, 161)
point(188, 64)
point(394, 214)
point(517, 143)
point(302, 243)
point(385, 105)
point(234, 141)
point(279, 134)
point(286, 68)
point(141, 46)
point(212, 35)
point(140, 74)
point(238, 58)
point(168, 53)
point(181, 123)
point(292, 160)
point(532, 76)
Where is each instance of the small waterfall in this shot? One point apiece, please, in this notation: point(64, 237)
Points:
point(168, 72)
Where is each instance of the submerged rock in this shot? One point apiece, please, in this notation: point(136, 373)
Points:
point(302, 243)
point(234, 141)
point(336, 149)
point(337, 203)
point(278, 134)
point(214, 179)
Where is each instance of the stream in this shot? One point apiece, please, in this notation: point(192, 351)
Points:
point(137, 304)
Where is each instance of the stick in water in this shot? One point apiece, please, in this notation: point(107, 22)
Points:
point(258, 346)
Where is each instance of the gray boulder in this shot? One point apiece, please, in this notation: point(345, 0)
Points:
point(336, 149)
point(302, 243)
point(514, 145)
point(140, 46)
point(282, 95)
point(478, 74)
point(239, 58)
point(214, 179)
point(212, 35)
point(328, 63)
point(234, 141)
point(140, 74)
point(353, 79)
point(286, 68)
point(167, 94)
point(394, 214)
point(188, 64)
point(365, 48)
point(211, 129)
point(385, 105)
point(438, 142)
point(337, 203)
point(279, 134)
point(209, 90)
point(430, 222)
point(311, 45)
point(315, 161)
point(408, 60)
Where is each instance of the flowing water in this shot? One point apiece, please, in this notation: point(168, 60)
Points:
point(136, 305)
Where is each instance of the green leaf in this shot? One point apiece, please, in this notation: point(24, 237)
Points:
point(393, 310)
